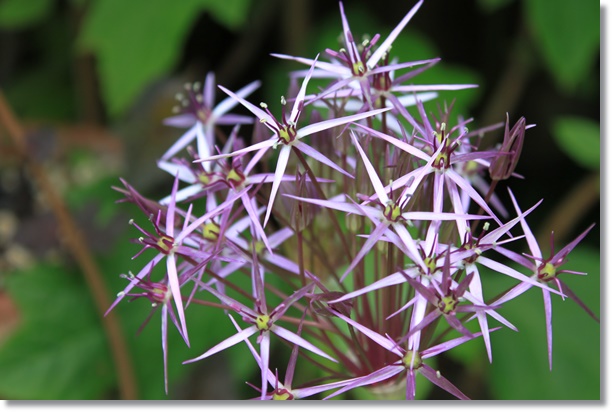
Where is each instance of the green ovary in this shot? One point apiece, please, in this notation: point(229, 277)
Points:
point(262, 322)
point(447, 304)
point(547, 272)
point(204, 179)
point(430, 262)
point(412, 358)
point(392, 212)
point(165, 243)
point(210, 231)
point(358, 68)
point(442, 161)
point(282, 395)
point(235, 177)
point(287, 133)
point(259, 247)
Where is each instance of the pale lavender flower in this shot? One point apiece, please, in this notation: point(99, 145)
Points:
point(198, 112)
point(262, 322)
point(389, 214)
point(410, 362)
point(544, 271)
point(289, 135)
point(284, 391)
point(351, 65)
point(169, 244)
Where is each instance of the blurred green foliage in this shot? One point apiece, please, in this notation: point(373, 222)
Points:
point(136, 42)
point(15, 14)
point(568, 36)
point(60, 351)
point(579, 139)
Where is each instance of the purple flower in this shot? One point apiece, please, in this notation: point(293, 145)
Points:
point(410, 362)
point(285, 391)
point(263, 322)
point(544, 271)
point(388, 215)
point(287, 134)
point(169, 245)
point(197, 112)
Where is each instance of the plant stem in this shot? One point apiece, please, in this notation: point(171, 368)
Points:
point(77, 245)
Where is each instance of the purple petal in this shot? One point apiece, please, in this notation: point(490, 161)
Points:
point(403, 233)
point(440, 381)
point(465, 185)
point(328, 124)
point(212, 213)
point(281, 165)
point(171, 209)
point(264, 348)
point(299, 99)
point(227, 343)
point(164, 336)
point(228, 103)
point(342, 206)
point(396, 142)
point(567, 249)
point(302, 393)
point(367, 247)
point(380, 375)
point(374, 179)
point(261, 115)
point(531, 240)
point(375, 336)
point(328, 67)
point(513, 273)
point(184, 173)
point(246, 201)
point(298, 340)
point(384, 47)
point(133, 282)
point(181, 120)
point(548, 313)
point(393, 279)
point(183, 141)
point(175, 289)
point(303, 147)
point(266, 144)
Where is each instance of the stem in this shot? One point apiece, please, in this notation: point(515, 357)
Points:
point(301, 257)
point(570, 209)
point(78, 247)
point(332, 215)
point(486, 199)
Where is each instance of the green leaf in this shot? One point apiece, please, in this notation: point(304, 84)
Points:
point(138, 41)
point(579, 139)
point(520, 360)
point(19, 14)
point(59, 352)
point(568, 36)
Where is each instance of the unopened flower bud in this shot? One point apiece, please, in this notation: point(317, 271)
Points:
point(503, 165)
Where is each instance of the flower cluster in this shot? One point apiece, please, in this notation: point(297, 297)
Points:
point(367, 217)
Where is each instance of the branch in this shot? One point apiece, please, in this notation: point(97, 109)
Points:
point(78, 247)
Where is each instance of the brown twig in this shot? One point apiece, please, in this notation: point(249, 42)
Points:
point(570, 209)
point(77, 246)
